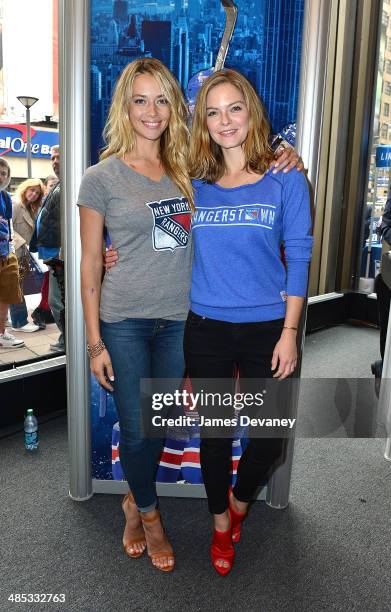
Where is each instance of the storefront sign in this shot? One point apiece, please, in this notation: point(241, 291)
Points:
point(383, 157)
point(13, 141)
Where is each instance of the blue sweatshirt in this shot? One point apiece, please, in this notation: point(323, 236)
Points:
point(238, 274)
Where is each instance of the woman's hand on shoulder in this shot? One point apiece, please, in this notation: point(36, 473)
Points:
point(287, 158)
point(285, 355)
point(102, 369)
point(110, 258)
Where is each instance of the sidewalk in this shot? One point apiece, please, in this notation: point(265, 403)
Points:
point(36, 343)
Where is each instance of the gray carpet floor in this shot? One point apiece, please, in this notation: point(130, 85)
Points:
point(343, 351)
point(337, 392)
point(329, 550)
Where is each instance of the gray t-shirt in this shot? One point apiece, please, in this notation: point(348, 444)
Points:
point(149, 225)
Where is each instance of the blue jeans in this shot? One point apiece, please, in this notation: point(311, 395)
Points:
point(18, 314)
point(56, 305)
point(141, 348)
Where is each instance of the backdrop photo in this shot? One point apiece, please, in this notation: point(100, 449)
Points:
point(186, 36)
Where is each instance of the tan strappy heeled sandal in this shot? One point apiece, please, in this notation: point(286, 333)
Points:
point(139, 535)
point(163, 553)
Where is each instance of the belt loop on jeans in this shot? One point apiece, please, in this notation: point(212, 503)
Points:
point(159, 324)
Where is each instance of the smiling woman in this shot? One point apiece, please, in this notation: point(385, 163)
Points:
point(25, 209)
point(146, 95)
point(149, 110)
point(141, 192)
point(245, 303)
point(227, 116)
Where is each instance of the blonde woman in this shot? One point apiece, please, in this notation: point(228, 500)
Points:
point(25, 207)
point(140, 191)
point(245, 304)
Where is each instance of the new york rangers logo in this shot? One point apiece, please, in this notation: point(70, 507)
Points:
point(171, 223)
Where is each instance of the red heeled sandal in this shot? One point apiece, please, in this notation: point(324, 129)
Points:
point(222, 550)
point(236, 519)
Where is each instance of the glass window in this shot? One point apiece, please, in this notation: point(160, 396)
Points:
point(376, 194)
point(31, 333)
point(384, 131)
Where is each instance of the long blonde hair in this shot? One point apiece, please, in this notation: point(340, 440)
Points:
point(118, 132)
point(20, 194)
point(206, 159)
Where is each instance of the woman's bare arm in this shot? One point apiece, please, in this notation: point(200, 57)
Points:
point(91, 232)
point(285, 351)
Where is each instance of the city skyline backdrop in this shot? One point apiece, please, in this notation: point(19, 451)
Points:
point(186, 36)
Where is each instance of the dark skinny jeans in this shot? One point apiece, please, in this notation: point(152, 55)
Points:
point(213, 349)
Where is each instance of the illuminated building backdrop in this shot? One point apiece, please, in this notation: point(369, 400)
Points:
point(186, 35)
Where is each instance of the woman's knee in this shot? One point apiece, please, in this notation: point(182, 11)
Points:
point(131, 444)
point(214, 447)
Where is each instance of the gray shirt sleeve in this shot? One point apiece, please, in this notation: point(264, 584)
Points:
point(92, 193)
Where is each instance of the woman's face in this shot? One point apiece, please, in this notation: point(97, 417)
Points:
point(32, 194)
point(227, 117)
point(149, 109)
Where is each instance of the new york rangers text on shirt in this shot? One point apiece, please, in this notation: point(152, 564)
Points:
point(171, 223)
point(260, 215)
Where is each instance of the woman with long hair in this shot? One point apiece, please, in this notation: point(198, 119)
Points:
point(141, 192)
point(25, 208)
point(245, 301)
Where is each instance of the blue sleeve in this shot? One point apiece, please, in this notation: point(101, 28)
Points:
point(6, 204)
point(296, 231)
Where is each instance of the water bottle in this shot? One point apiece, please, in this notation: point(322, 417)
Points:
point(31, 431)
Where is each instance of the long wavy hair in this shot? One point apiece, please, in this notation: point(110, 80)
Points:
point(20, 195)
point(119, 134)
point(206, 160)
